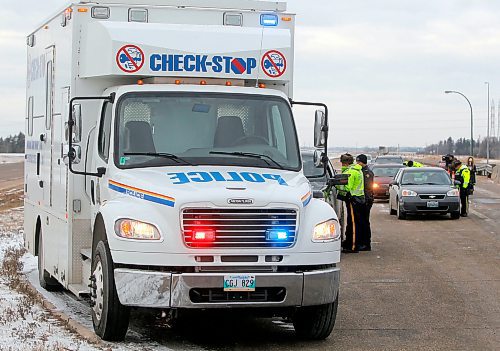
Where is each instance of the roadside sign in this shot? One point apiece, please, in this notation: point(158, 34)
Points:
point(130, 58)
point(273, 63)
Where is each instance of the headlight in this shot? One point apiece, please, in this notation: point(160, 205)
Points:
point(375, 186)
point(453, 192)
point(131, 229)
point(407, 192)
point(325, 231)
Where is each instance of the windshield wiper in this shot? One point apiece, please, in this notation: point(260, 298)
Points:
point(248, 154)
point(432, 184)
point(411, 184)
point(159, 154)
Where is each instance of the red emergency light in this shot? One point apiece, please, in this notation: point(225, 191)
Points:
point(203, 236)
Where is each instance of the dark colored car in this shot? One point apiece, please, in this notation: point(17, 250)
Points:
point(383, 176)
point(423, 190)
point(318, 182)
point(388, 159)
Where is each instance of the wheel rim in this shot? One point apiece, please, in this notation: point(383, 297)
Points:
point(98, 293)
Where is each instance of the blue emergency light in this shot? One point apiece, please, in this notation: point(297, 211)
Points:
point(276, 235)
point(268, 20)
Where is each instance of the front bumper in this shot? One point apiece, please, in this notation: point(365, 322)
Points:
point(416, 205)
point(175, 290)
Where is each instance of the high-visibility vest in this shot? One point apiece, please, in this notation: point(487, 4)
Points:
point(463, 175)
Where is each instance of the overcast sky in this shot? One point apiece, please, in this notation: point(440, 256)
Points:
point(381, 65)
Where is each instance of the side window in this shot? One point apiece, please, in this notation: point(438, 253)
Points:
point(105, 131)
point(48, 96)
point(30, 116)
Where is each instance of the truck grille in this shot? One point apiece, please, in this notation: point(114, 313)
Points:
point(240, 228)
point(214, 295)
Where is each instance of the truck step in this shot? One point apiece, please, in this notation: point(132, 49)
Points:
point(79, 289)
point(86, 253)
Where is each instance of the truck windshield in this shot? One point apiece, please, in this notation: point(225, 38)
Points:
point(163, 129)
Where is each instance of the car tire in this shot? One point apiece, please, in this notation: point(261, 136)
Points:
point(315, 322)
point(46, 281)
point(109, 316)
point(400, 212)
point(455, 215)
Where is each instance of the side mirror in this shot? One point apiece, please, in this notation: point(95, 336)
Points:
point(75, 154)
point(339, 179)
point(77, 127)
point(320, 129)
point(318, 159)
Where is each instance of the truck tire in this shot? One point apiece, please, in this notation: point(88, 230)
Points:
point(46, 281)
point(315, 322)
point(109, 316)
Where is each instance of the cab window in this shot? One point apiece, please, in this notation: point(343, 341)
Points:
point(105, 131)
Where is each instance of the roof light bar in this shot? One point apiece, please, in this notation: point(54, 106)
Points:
point(268, 20)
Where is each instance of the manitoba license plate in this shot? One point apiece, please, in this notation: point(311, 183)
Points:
point(239, 282)
point(432, 204)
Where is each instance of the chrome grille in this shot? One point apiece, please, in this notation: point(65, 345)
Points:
point(432, 196)
point(240, 228)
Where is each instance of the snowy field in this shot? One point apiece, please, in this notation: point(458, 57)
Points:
point(11, 158)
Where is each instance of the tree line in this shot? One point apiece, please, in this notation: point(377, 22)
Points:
point(13, 143)
point(462, 147)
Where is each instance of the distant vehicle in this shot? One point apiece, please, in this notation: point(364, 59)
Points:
point(384, 175)
point(370, 158)
point(318, 181)
point(389, 159)
point(423, 190)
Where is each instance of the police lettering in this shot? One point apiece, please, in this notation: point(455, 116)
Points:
point(208, 177)
point(202, 64)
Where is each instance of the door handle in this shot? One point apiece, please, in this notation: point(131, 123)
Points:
point(92, 191)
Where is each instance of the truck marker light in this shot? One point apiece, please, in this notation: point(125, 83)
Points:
point(262, 85)
point(177, 82)
point(268, 20)
point(203, 235)
point(286, 19)
point(228, 84)
point(82, 9)
point(203, 82)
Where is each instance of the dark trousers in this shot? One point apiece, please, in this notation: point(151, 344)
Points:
point(353, 226)
point(365, 237)
point(464, 199)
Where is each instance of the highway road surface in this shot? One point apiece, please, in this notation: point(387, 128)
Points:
point(430, 283)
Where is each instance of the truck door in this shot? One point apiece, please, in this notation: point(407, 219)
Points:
point(48, 144)
point(101, 157)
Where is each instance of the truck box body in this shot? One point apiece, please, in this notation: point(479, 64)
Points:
point(195, 63)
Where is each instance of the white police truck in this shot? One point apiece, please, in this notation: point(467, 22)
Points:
point(163, 166)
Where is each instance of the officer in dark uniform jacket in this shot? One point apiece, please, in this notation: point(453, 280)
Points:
point(366, 232)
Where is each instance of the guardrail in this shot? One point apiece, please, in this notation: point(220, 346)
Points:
point(486, 170)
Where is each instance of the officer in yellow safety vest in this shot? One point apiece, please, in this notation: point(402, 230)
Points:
point(462, 174)
point(414, 164)
point(353, 193)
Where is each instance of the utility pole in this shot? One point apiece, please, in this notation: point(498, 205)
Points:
point(488, 134)
point(493, 129)
point(498, 120)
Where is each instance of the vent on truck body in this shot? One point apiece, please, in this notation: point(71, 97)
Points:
point(240, 228)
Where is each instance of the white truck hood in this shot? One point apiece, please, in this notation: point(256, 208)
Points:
point(212, 186)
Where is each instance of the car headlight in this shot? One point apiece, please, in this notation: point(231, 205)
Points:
point(325, 231)
point(375, 186)
point(132, 229)
point(407, 192)
point(453, 192)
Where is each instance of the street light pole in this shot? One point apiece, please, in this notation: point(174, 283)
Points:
point(488, 134)
point(471, 120)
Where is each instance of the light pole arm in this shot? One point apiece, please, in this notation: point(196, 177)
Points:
point(471, 120)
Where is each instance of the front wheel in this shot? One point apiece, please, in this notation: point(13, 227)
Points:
point(315, 322)
point(109, 316)
point(401, 214)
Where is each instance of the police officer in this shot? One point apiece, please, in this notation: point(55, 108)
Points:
point(414, 164)
point(353, 194)
point(366, 231)
point(462, 174)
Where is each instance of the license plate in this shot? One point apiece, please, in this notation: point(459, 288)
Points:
point(240, 282)
point(432, 204)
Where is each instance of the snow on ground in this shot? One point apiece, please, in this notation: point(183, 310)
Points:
point(24, 325)
point(11, 158)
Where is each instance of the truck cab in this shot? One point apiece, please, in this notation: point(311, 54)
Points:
point(184, 183)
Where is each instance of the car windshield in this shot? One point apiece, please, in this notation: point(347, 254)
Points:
point(428, 177)
point(310, 170)
point(389, 160)
point(385, 171)
point(163, 129)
